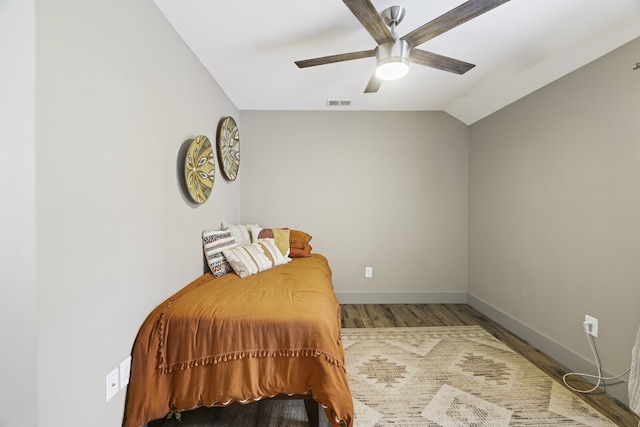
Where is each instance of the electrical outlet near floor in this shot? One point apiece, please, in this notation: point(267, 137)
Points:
point(368, 272)
point(591, 325)
point(111, 384)
point(125, 372)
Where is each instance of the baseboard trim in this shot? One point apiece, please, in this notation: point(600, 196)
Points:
point(574, 362)
point(402, 297)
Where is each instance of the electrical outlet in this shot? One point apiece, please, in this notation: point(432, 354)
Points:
point(368, 272)
point(125, 372)
point(591, 325)
point(111, 384)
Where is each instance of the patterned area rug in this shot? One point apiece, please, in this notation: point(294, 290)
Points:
point(455, 376)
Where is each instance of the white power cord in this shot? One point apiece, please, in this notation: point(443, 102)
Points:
point(599, 377)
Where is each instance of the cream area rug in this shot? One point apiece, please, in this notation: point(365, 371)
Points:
point(454, 376)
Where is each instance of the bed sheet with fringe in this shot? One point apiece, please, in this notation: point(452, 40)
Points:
point(227, 339)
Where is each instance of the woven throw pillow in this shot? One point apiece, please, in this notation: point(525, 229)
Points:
point(299, 239)
point(214, 242)
point(254, 257)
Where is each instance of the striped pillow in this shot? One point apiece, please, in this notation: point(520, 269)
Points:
point(214, 242)
point(254, 257)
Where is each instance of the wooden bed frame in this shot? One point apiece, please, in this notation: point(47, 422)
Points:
point(311, 407)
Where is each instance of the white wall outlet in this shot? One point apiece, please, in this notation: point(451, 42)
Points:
point(591, 325)
point(111, 384)
point(125, 372)
point(368, 272)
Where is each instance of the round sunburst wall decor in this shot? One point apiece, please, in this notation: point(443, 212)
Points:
point(199, 169)
point(228, 140)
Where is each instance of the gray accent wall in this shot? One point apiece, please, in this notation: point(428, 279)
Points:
point(554, 213)
point(381, 189)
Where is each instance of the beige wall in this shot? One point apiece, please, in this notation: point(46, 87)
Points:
point(18, 346)
point(380, 189)
point(554, 211)
point(118, 92)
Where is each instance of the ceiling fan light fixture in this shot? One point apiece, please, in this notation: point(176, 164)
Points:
point(392, 70)
point(393, 60)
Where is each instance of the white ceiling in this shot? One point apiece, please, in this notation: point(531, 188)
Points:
point(250, 46)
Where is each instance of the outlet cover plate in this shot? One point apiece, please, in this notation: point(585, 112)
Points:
point(111, 384)
point(368, 272)
point(125, 372)
point(594, 325)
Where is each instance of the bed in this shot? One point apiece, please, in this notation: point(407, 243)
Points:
point(229, 339)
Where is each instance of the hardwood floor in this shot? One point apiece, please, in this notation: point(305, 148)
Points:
point(292, 414)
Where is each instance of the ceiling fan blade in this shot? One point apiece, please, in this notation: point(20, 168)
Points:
point(370, 20)
point(451, 19)
point(336, 58)
point(374, 84)
point(440, 62)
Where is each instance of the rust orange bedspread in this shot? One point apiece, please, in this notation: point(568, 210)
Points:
point(226, 339)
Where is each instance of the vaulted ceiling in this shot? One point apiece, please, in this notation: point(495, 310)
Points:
point(250, 46)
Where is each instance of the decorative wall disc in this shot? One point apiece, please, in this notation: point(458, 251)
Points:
point(199, 169)
point(229, 148)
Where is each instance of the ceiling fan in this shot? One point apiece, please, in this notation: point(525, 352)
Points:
point(394, 54)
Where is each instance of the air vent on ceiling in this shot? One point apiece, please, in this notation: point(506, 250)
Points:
point(338, 103)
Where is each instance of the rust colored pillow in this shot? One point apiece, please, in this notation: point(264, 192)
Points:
point(299, 239)
point(300, 253)
point(265, 233)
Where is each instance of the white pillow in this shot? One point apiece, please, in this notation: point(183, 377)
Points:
point(254, 232)
point(254, 257)
point(240, 232)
